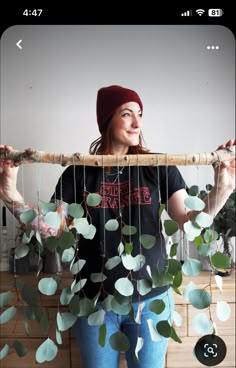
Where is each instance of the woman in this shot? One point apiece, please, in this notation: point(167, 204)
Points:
point(131, 196)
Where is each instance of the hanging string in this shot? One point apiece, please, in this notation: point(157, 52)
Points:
point(74, 181)
point(103, 206)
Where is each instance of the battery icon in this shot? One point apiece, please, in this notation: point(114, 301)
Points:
point(215, 12)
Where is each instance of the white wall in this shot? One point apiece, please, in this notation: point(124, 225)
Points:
point(48, 90)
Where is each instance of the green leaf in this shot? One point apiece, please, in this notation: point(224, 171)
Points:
point(7, 315)
point(74, 305)
point(170, 227)
point(199, 240)
point(223, 311)
point(47, 286)
point(98, 277)
point(86, 307)
point(161, 209)
point(174, 335)
point(192, 231)
point(112, 262)
point(177, 280)
point(5, 298)
point(96, 318)
point(204, 220)
point(128, 248)
point(144, 286)
point(93, 199)
point(68, 255)
point(155, 336)
point(194, 203)
point(200, 298)
point(204, 249)
point(111, 225)
point(128, 230)
point(30, 294)
point(47, 351)
point(66, 240)
point(119, 341)
point(147, 241)
point(161, 279)
point(173, 266)
point(27, 312)
point(210, 235)
point(102, 335)
point(157, 306)
point(65, 320)
point(48, 207)
point(75, 210)
point(128, 261)
point(44, 324)
point(5, 351)
point(124, 286)
point(58, 337)
point(140, 261)
point(164, 328)
point(28, 216)
point(51, 243)
point(53, 219)
point(201, 324)
point(79, 285)
point(77, 266)
point(173, 250)
point(192, 267)
point(193, 190)
point(220, 260)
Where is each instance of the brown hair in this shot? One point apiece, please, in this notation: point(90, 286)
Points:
point(103, 144)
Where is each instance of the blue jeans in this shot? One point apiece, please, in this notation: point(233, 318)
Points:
point(152, 354)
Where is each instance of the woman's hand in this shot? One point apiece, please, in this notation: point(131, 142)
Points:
point(8, 178)
point(225, 171)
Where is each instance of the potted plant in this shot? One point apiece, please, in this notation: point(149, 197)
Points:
point(224, 225)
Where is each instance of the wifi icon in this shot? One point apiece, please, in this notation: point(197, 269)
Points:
point(200, 12)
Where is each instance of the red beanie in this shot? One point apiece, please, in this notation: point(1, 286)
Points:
point(110, 98)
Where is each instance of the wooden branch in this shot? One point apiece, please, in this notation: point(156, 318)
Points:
point(64, 159)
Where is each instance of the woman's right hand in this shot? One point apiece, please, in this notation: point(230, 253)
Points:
point(8, 178)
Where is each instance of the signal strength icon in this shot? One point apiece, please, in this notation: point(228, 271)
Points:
point(200, 12)
point(188, 13)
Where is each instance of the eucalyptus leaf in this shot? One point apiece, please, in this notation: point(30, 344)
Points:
point(163, 328)
point(138, 316)
point(75, 210)
point(66, 321)
point(194, 203)
point(30, 295)
point(174, 335)
point(74, 305)
point(128, 230)
point(140, 261)
point(26, 327)
point(147, 241)
point(47, 286)
point(112, 262)
point(219, 282)
point(27, 312)
point(192, 231)
point(51, 243)
point(8, 314)
point(173, 266)
point(173, 250)
point(223, 311)
point(177, 280)
point(66, 296)
point(193, 190)
point(190, 286)
point(93, 199)
point(47, 351)
point(68, 255)
point(157, 306)
point(91, 232)
point(112, 225)
point(128, 261)
point(170, 227)
point(5, 298)
point(86, 307)
point(144, 286)
point(204, 220)
point(4, 352)
point(28, 216)
point(201, 324)
point(220, 260)
point(26, 238)
point(66, 240)
point(96, 318)
point(124, 286)
point(102, 335)
point(21, 250)
point(177, 319)
point(44, 324)
point(48, 207)
point(58, 337)
point(98, 277)
point(192, 267)
point(200, 298)
point(138, 347)
point(77, 266)
point(119, 341)
point(53, 219)
point(204, 249)
point(79, 285)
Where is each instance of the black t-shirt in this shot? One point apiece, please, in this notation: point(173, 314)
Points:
point(133, 197)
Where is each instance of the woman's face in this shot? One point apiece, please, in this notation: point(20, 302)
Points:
point(126, 127)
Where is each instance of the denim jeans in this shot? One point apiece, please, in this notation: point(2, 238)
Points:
point(152, 354)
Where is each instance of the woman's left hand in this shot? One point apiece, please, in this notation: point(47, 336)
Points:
point(225, 171)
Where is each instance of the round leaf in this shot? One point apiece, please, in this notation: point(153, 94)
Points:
point(204, 220)
point(170, 227)
point(93, 199)
point(96, 318)
point(124, 286)
point(48, 207)
point(53, 219)
point(111, 225)
point(28, 216)
point(222, 311)
point(164, 328)
point(157, 306)
point(201, 324)
point(192, 267)
point(220, 260)
point(128, 230)
point(47, 286)
point(47, 351)
point(5, 350)
point(200, 298)
point(7, 315)
point(194, 203)
point(119, 341)
point(75, 210)
point(5, 298)
point(147, 241)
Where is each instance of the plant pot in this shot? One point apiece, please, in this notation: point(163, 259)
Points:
point(52, 262)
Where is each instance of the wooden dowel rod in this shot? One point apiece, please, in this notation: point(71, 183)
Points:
point(32, 156)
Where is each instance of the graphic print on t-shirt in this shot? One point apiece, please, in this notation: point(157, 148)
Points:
point(123, 194)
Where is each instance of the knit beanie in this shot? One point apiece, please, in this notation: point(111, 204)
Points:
point(110, 98)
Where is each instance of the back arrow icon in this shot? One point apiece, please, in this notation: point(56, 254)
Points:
point(18, 44)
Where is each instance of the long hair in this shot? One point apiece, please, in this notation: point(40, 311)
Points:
point(103, 144)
